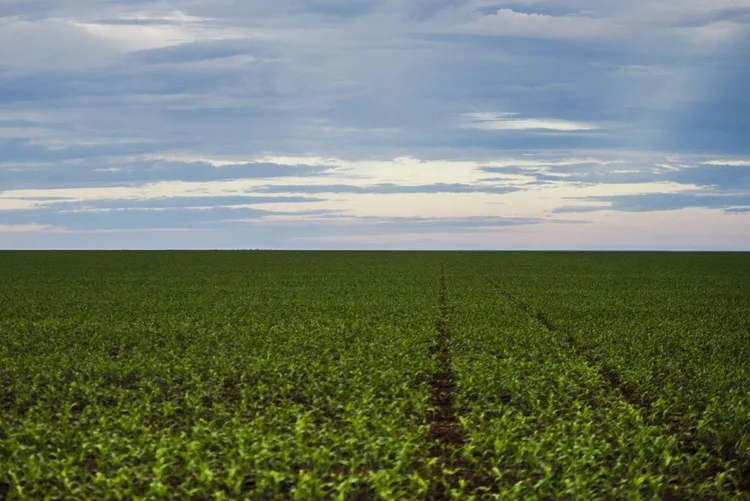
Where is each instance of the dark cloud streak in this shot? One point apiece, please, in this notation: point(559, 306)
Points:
point(128, 173)
point(662, 202)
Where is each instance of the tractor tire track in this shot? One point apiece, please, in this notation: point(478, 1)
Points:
point(688, 443)
point(607, 373)
point(444, 426)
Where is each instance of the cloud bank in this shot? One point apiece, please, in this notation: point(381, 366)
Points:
point(374, 124)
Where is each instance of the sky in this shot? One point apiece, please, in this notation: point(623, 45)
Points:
point(366, 124)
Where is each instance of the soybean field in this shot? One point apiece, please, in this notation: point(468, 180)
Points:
point(374, 375)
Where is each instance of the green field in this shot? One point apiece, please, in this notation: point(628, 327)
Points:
point(374, 375)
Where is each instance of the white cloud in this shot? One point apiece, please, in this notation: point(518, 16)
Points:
point(732, 163)
point(22, 228)
point(702, 25)
point(507, 121)
point(133, 37)
point(531, 201)
point(507, 22)
point(174, 16)
point(375, 97)
point(91, 42)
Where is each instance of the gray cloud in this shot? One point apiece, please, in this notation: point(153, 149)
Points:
point(341, 9)
point(721, 177)
point(326, 233)
point(86, 102)
point(113, 173)
point(201, 52)
point(662, 202)
point(83, 217)
point(89, 220)
point(737, 14)
point(61, 204)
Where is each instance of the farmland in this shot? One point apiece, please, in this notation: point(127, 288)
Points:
point(337, 375)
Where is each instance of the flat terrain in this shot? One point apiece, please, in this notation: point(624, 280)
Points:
point(374, 375)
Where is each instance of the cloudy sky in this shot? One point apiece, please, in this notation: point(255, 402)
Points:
point(414, 124)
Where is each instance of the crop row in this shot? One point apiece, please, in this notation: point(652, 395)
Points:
point(371, 376)
point(282, 379)
point(673, 329)
point(544, 422)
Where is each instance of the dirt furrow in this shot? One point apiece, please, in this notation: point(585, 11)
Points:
point(445, 428)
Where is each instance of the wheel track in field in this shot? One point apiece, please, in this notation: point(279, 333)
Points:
point(444, 427)
point(451, 473)
point(605, 372)
point(688, 443)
